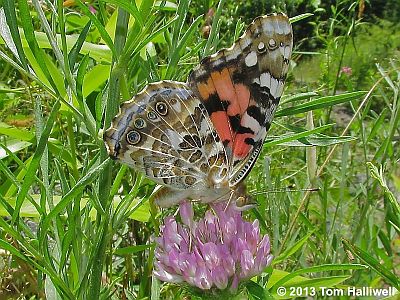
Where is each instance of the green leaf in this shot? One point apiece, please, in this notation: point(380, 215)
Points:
point(13, 132)
point(76, 49)
point(132, 249)
point(290, 251)
point(378, 175)
point(129, 7)
point(77, 189)
point(291, 137)
point(56, 51)
point(9, 10)
point(107, 39)
point(165, 5)
point(95, 78)
point(328, 281)
point(214, 31)
point(297, 97)
point(82, 69)
point(377, 125)
point(319, 103)
point(33, 167)
point(257, 292)
point(13, 146)
point(319, 140)
point(279, 274)
point(373, 263)
point(181, 45)
point(316, 269)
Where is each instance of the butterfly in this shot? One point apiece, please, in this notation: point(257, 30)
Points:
point(200, 139)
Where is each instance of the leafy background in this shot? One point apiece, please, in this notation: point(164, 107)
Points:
point(77, 226)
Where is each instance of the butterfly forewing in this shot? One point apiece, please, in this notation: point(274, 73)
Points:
point(241, 88)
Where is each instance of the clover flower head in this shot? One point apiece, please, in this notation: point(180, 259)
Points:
point(215, 253)
point(346, 70)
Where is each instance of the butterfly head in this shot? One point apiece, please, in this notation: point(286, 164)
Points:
point(243, 203)
point(242, 200)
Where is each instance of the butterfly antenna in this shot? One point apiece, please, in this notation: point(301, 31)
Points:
point(254, 193)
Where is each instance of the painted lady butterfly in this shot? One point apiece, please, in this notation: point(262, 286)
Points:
point(201, 138)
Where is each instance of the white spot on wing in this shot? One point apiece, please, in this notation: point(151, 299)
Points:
point(174, 137)
point(250, 122)
point(265, 79)
point(286, 52)
point(274, 87)
point(200, 71)
point(268, 27)
point(177, 106)
point(278, 27)
point(285, 27)
point(272, 43)
point(217, 62)
point(270, 113)
point(245, 41)
point(251, 59)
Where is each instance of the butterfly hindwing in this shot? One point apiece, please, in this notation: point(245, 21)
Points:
point(165, 132)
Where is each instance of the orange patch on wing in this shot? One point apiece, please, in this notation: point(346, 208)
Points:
point(241, 149)
point(225, 89)
point(243, 97)
point(206, 89)
point(221, 124)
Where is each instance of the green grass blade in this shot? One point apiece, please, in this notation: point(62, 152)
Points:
point(378, 175)
point(300, 17)
point(9, 10)
point(105, 177)
point(373, 263)
point(316, 269)
point(129, 7)
point(53, 42)
point(297, 97)
point(293, 249)
point(104, 35)
point(132, 249)
point(296, 136)
point(176, 53)
point(32, 42)
point(91, 176)
point(76, 49)
point(319, 103)
point(30, 175)
point(214, 31)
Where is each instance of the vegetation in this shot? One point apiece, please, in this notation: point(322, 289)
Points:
point(75, 225)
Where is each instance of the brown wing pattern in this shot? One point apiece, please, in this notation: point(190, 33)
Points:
point(165, 132)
